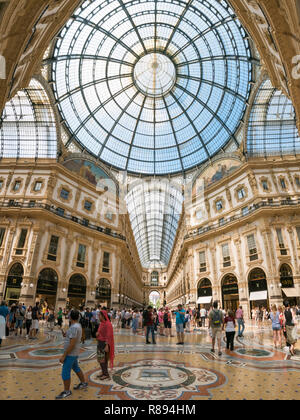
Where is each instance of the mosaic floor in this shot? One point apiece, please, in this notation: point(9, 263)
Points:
point(29, 369)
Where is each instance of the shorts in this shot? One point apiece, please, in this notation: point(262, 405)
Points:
point(179, 328)
point(216, 333)
point(276, 328)
point(71, 362)
point(35, 324)
point(19, 323)
point(168, 324)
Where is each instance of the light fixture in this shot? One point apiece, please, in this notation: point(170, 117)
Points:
point(280, 285)
point(64, 290)
point(31, 285)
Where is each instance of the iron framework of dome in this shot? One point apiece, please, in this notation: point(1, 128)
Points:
point(152, 87)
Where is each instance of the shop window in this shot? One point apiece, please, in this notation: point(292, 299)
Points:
point(21, 242)
point(105, 265)
point(202, 261)
point(2, 234)
point(297, 179)
point(252, 248)
point(222, 221)
point(81, 256)
point(226, 256)
point(53, 246)
point(32, 203)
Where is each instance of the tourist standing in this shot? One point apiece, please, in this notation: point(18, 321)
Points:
point(180, 320)
point(4, 316)
point(35, 321)
point(168, 322)
point(28, 320)
point(276, 327)
point(230, 330)
point(161, 321)
point(216, 324)
point(20, 314)
point(149, 324)
point(289, 325)
point(135, 321)
point(60, 317)
point(203, 317)
point(106, 345)
point(239, 315)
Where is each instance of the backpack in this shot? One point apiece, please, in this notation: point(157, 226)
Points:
point(216, 318)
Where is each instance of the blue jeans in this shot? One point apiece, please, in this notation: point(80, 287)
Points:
point(150, 328)
point(241, 324)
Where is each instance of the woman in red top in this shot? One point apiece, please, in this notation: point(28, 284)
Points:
point(106, 345)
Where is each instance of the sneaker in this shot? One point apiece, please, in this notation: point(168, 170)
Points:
point(64, 394)
point(212, 351)
point(148, 342)
point(81, 386)
point(220, 353)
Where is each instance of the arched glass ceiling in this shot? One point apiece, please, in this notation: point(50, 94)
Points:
point(27, 125)
point(154, 209)
point(152, 86)
point(272, 126)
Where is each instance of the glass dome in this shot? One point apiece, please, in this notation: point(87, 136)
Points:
point(151, 86)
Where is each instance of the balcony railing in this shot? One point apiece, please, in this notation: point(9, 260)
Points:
point(252, 209)
point(57, 211)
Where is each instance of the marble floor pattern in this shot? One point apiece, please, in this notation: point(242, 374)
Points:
point(30, 369)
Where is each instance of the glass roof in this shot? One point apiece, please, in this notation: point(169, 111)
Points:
point(272, 126)
point(27, 125)
point(151, 86)
point(154, 209)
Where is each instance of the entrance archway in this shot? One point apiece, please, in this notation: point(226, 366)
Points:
point(230, 292)
point(103, 292)
point(47, 287)
point(205, 294)
point(76, 291)
point(258, 289)
point(154, 299)
point(287, 284)
point(13, 284)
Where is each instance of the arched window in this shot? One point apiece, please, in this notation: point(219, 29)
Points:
point(47, 282)
point(103, 290)
point(204, 288)
point(77, 291)
point(13, 285)
point(286, 276)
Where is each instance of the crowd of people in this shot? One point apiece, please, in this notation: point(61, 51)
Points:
point(100, 322)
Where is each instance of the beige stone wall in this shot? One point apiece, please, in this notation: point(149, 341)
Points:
point(278, 207)
point(29, 212)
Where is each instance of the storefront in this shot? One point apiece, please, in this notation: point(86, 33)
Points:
point(103, 293)
point(76, 291)
point(14, 284)
point(205, 294)
point(258, 289)
point(47, 288)
point(230, 293)
point(288, 289)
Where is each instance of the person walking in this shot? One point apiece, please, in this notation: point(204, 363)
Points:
point(239, 315)
point(35, 321)
point(4, 317)
point(276, 327)
point(230, 330)
point(60, 318)
point(69, 359)
point(180, 320)
point(135, 321)
point(289, 325)
point(203, 317)
point(216, 324)
point(106, 345)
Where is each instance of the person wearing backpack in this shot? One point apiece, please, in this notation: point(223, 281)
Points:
point(216, 324)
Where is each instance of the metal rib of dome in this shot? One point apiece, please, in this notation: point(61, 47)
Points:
point(151, 86)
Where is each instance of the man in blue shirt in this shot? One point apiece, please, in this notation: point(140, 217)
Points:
point(180, 318)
